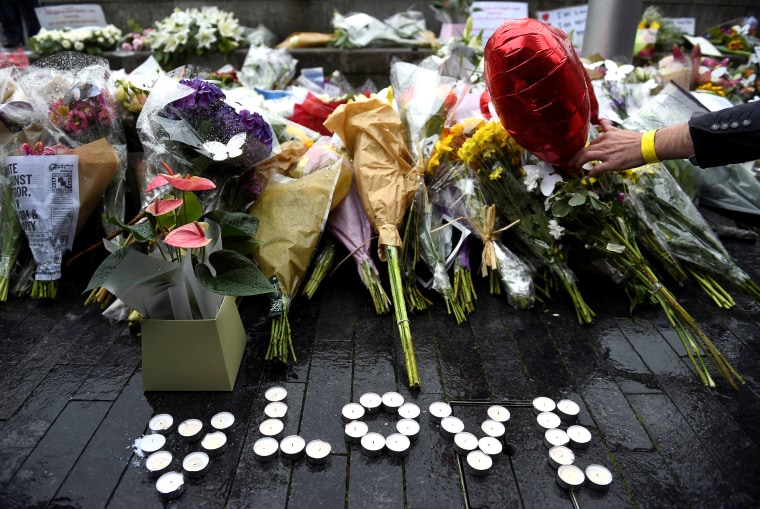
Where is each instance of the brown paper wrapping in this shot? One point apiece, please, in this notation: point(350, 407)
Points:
point(306, 40)
point(292, 216)
point(384, 177)
point(97, 165)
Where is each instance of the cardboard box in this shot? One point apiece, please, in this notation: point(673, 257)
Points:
point(193, 355)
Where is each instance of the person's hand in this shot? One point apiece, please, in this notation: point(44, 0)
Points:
point(615, 149)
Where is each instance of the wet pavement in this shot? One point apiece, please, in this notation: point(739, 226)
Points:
point(73, 408)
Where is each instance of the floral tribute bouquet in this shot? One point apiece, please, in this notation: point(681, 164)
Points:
point(175, 265)
point(187, 32)
point(92, 41)
point(190, 124)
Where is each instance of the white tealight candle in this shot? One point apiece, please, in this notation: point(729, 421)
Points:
point(373, 444)
point(451, 425)
point(317, 452)
point(170, 485)
point(580, 437)
point(568, 409)
point(598, 477)
point(543, 404)
point(408, 427)
point(490, 445)
point(161, 423)
point(190, 430)
point(493, 428)
point(478, 463)
point(570, 477)
point(438, 410)
point(392, 401)
point(352, 412)
point(292, 447)
point(222, 421)
point(371, 401)
point(214, 443)
point(354, 431)
point(548, 420)
point(464, 442)
point(555, 436)
point(151, 443)
point(498, 413)
point(195, 464)
point(276, 410)
point(397, 445)
point(276, 394)
point(272, 428)
point(158, 463)
point(561, 455)
point(409, 410)
point(265, 449)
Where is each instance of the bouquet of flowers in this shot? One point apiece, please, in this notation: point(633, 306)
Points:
point(93, 41)
point(190, 124)
point(360, 30)
point(194, 31)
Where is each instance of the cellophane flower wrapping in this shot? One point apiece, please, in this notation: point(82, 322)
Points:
point(189, 124)
point(360, 30)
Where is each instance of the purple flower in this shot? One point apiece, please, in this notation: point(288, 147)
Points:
point(255, 124)
point(205, 94)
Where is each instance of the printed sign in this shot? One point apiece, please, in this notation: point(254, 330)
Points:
point(55, 17)
point(685, 25)
point(571, 20)
point(488, 16)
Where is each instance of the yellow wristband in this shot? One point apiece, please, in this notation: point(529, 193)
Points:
point(647, 147)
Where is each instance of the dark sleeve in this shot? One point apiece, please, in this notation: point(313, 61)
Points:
point(728, 136)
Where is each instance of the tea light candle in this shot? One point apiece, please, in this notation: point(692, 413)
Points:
point(451, 425)
point(580, 437)
point(272, 428)
point(151, 443)
point(490, 445)
point(568, 409)
point(498, 413)
point(170, 485)
point(222, 421)
point(543, 404)
point(190, 430)
point(397, 445)
point(392, 401)
point(598, 477)
point(317, 452)
point(555, 436)
point(161, 423)
point(371, 401)
point(265, 449)
point(214, 443)
point(478, 463)
point(276, 394)
point(292, 447)
point(352, 412)
point(464, 442)
point(276, 410)
point(409, 410)
point(548, 420)
point(158, 463)
point(561, 455)
point(493, 428)
point(373, 444)
point(354, 431)
point(438, 410)
point(570, 477)
point(195, 464)
point(408, 427)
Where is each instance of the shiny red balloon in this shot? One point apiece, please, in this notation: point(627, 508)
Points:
point(540, 89)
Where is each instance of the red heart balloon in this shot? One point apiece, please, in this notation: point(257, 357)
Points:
point(540, 89)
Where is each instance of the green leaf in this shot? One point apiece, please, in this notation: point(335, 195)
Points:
point(235, 224)
point(106, 268)
point(236, 275)
point(142, 232)
point(577, 199)
point(560, 209)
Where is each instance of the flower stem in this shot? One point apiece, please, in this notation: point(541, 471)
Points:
point(464, 291)
point(323, 264)
point(402, 320)
point(372, 282)
point(280, 342)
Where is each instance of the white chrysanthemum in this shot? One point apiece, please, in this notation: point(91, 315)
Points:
point(531, 177)
point(555, 230)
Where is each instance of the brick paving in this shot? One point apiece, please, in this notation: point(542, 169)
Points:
point(73, 406)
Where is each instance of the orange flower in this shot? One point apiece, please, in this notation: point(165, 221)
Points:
point(186, 183)
point(189, 236)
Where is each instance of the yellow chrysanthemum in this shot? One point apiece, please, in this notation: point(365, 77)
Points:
point(496, 174)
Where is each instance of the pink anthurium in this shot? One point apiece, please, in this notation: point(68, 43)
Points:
point(189, 236)
point(161, 207)
point(186, 183)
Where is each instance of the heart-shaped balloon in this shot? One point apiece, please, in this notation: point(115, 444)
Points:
point(540, 89)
